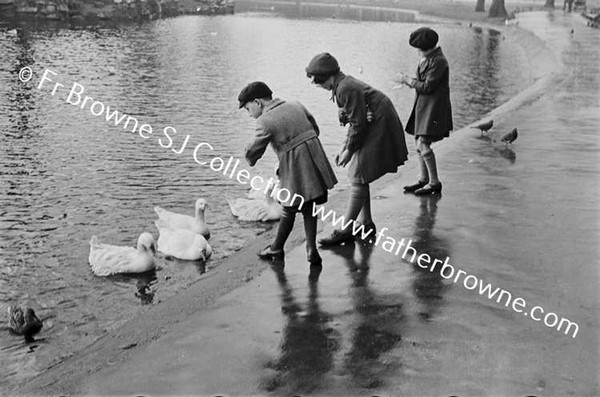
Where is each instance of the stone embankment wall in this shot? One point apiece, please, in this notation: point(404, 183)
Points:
point(113, 9)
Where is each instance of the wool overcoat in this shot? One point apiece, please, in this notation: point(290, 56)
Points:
point(378, 146)
point(432, 112)
point(293, 134)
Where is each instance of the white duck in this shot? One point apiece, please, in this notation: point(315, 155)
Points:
point(181, 243)
point(108, 259)
point(257, 207)
point(195, 224)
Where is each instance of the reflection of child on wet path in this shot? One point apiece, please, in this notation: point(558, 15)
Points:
point(431, 117)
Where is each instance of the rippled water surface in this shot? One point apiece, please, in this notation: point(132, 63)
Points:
point(66, 174)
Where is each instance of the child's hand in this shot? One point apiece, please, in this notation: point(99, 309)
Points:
point(343, 158)
point(343, 117)
point(404, 79)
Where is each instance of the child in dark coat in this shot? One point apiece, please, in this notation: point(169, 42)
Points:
point(431, 117)
point(374, 142)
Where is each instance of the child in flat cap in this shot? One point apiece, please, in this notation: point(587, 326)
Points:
point(431, 118)
point(305, 174)
point(374, 142)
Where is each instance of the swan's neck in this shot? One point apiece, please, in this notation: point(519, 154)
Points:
point(200, 214)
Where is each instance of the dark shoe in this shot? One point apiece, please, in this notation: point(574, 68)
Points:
point(315, 259)
point(314, 273)
point(268, 253)
point(369, 237)
point(337, 237)
point(416, 186)
point(432, 189)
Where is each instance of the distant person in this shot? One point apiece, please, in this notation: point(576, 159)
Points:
point(431, 118)
point(374, 143)
point(568, 4)
point(304, 170)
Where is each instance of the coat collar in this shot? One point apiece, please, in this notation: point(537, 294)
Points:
point(273, 104)
point(436, 51)
point(338, 77)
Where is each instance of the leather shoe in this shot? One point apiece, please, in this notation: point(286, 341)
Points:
point(268, 253)
point(366, 228)
point(336, 238)
point(315, 259)
point(432, 189)
point(416, 186)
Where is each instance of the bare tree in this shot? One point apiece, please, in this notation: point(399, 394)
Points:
point(480, 7)
point(549, 4)
point(497, 9)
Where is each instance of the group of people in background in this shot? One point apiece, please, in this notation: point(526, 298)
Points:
point(374, 146)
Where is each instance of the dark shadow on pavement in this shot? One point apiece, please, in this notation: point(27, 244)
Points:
point(308, 343)
point(427, 285)
point(376, 327)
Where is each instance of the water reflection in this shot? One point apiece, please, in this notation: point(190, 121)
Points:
point(308, 343)
point(144, 284)
point(427, 285)
point(500, 148)
point(377, 324)
point(483, 65)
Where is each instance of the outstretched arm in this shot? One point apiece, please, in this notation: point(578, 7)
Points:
point(256, 148)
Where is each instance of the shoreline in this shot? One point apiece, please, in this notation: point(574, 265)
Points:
point(231, 272)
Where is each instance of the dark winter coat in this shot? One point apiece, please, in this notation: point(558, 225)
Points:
point(378, 146)
point(432, 113)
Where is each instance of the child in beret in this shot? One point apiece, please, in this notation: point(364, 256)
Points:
point(305, 174)
point(431, 118)
point(374, 142)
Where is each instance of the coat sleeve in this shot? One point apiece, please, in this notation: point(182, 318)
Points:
point(312, 121)
point(354, 105)
point(256, 148)
point(434, 76)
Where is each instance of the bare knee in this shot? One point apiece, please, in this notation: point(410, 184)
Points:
point(423, 147)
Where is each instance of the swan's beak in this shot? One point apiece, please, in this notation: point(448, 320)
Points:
point(153, 249)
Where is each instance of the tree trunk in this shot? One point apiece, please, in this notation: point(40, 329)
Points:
point(480, 7)
point(549, 4)
point(497, 9)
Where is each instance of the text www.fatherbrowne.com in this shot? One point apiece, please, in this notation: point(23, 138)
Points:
point(402, 248)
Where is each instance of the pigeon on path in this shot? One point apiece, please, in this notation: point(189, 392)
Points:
point(510, 137)
point(484, 127)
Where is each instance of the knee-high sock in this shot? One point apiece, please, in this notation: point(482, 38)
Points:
point(422, 167)
point(365, 214)
point(310, 229)
point(429, 159)
point(359, 193)
point(286, 224)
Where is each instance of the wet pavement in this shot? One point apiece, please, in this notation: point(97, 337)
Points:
point(522, 217)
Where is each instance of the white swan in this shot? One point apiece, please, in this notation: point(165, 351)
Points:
point(196, 224)
point(108, 259)
point(181, 243)
point(258, 206)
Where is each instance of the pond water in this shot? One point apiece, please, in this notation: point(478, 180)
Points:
point(66, 174)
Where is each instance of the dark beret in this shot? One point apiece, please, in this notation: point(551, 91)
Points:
point(423, 38)
point(322, 64)
point(252, 91)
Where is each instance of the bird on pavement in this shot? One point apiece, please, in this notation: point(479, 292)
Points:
point(510, 137)
point(484, 127)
